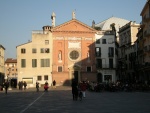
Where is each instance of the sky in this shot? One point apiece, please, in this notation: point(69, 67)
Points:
point(18, 18)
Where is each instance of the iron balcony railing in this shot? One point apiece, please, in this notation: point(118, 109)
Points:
point(106, 66)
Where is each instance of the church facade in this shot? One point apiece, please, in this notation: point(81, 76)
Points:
point(73, 52)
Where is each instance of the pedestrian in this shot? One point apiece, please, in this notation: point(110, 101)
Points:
point(46, 86)
point(74, 90)
point(6, 85)
point(21, 85)
point(83, 87)
point(37, 86)
point(25, 85)
point(54, 84)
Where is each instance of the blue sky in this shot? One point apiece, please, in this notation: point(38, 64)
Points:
point(18, 18)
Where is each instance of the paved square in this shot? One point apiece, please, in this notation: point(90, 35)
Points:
point(59, 100)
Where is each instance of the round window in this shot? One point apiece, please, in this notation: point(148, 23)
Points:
point(74, 55)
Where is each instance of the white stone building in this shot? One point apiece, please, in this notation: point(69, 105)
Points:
point(106, 58)
point(107, 42)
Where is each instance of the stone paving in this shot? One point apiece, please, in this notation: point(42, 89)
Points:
point(59, 100)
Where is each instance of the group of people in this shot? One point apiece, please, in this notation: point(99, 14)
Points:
point(46, 86)
point(22, 85)
point(77, 89)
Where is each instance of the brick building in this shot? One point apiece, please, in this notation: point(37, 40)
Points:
point(73, 52)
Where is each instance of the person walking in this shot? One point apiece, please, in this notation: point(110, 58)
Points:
point(37, 86)
point(83, 87)
point(25, 85)
point(46, 86)
point(54, 84)
point(6, 85)
point(74, 86)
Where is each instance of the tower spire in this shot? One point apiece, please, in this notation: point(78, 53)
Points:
point(53, 19)
point(73, 15)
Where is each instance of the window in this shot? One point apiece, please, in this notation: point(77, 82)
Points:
point(45, 77)
point(23, 63)
point(42, 50)
point(110, 63)
point(46, 42)
point(23, 50)
point(111, 52)
point(97, 41)
point(98, 51)
point(99, 63)
point(45, 62)
point(74, 55)
point(39, 78)
point(126, 57)
point(45, 50)
point(33, 50)
point(59, 68)
point(34, 62)
point(88, 69)
point(103, 41)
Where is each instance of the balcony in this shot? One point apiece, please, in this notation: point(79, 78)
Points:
point(107, 66)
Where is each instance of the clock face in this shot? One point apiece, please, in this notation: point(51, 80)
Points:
point(74, 55)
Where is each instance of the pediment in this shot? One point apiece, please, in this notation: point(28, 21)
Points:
point(73, 26)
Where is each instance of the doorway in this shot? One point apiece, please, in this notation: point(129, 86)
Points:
point(75, 75)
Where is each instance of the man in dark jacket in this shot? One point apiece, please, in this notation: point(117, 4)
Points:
point(6, 85)
point(74, 90)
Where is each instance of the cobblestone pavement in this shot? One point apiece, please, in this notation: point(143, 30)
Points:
point(59, 100)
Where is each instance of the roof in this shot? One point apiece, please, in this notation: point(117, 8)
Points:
point(105, 25)
point(2, 46)
point(11, 60)
point(73, 21)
